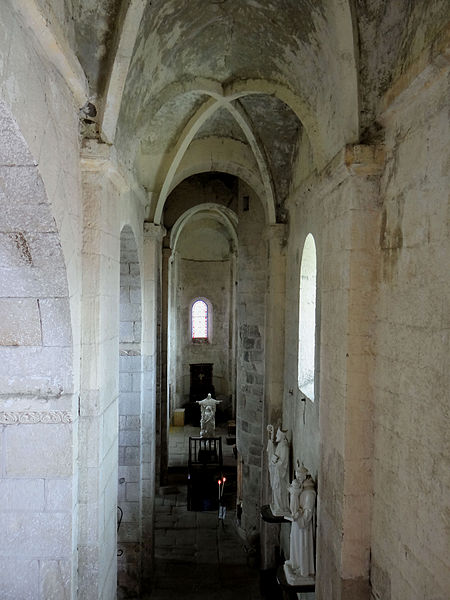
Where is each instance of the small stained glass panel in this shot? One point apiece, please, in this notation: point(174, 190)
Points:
point(199, 320)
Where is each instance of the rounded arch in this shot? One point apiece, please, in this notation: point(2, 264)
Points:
point(222, 214)
point(223, 167)
point(36, 329)
point(36, 363)
point(132, 227)
point(211, 154)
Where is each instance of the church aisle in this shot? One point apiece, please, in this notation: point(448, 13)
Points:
point(198, 558)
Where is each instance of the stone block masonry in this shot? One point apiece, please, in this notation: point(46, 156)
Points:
point(251, 289)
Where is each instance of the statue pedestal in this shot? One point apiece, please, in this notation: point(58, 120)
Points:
point(288, 580)
point(268, 516)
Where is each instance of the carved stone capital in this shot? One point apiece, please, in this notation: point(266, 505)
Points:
point(361, 159)
point(154, 232)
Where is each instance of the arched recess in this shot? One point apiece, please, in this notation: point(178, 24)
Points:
point(307, 319)
point(130, 419)
point(221, 213)
point(207, 276)
point(36, 381)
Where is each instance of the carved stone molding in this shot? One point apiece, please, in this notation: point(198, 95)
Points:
point(31, 417)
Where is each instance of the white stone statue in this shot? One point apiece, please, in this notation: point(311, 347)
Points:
point(208, 416)
point(302, 506)
point(278, 460)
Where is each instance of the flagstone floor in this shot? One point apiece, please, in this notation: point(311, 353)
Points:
point(197, 557)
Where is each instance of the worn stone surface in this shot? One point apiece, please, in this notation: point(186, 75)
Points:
point(411, 345)
point(336, 115)
point(38, 450)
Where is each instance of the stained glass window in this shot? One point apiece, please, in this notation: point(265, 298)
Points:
point(199, 317)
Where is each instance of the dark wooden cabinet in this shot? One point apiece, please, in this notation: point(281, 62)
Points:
point(201, 381)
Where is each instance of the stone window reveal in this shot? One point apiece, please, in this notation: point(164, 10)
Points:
point(199, 320)
point(307, 319)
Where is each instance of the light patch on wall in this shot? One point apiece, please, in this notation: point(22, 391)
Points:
point(307, 319)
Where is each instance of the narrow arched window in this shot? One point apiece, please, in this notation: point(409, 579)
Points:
point(307, 319)
point(199, 320)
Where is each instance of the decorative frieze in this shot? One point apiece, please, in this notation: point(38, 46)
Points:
point(30, 417)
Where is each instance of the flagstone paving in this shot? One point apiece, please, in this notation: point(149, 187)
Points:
point(197, 556)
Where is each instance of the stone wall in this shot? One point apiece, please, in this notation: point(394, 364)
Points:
point(375, 433)
point(332, 435)
point(410, 541)
point(40, 307)
point(130, 437)
point(211, 280)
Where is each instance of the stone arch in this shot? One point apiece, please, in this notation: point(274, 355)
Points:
point(33, 288)
point(36, 376)
point(217, 97)
point(130, 417)
point(201, 282)
point(220, 166)
point(221, 213)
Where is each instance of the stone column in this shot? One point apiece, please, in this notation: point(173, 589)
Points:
point(98, 426)
point(151, 266)
point(172, 347)
point(233, 333)
point(274, 370)
point(164, 415)
point(345, 477)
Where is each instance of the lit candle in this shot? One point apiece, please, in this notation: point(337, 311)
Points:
point(219, 488)
point(223, 485)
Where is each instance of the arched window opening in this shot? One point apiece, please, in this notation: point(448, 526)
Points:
point(200, 315)
point(307, 319)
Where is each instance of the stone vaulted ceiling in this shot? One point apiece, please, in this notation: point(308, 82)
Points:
point(184, 87)
point(224, 85)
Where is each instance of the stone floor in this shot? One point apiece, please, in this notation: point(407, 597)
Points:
point(196, 555)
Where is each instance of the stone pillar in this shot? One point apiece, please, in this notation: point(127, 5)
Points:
point(172, 347)
point(164, 415)
point(98, 420)
point(274, 370)
point(345, 477)
point(233, 333)
point(151, 269)
point(250, 364)
point(130, 419)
